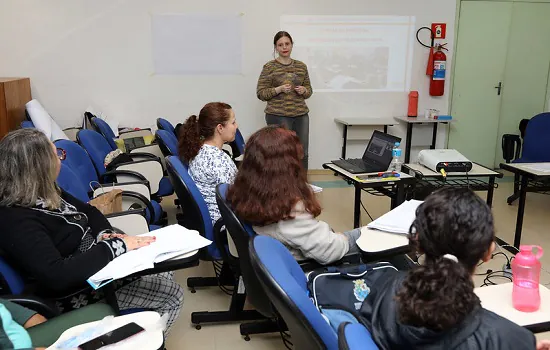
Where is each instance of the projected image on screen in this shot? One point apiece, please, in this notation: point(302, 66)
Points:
point(354, 53)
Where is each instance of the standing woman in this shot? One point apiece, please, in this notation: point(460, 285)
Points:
point(284, 84)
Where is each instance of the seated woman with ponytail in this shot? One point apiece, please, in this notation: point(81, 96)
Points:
point(434, 305)
point(200, 145)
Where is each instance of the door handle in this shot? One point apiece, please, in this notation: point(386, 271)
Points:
point(499, 88)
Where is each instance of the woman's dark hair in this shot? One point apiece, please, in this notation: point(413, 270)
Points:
point(271, 179)
point(196, 130)
point(439, 294)
point(281, 34)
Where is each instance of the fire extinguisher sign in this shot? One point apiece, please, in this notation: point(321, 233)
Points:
point(439, 70)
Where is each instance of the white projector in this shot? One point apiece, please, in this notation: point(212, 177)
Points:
point(449, 160)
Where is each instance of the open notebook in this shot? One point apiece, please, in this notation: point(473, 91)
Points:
point(172, 241)
point(398, 220)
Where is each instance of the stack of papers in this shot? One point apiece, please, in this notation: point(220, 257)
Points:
point(398, 220)
point(171, 241)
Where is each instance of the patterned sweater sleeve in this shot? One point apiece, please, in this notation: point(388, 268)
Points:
point(307, 85)
point(265, 90)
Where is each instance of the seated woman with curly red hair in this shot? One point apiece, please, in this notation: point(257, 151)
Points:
point(271, 193)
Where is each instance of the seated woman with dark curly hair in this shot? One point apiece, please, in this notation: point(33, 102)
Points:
point(271, 193)
point(434, 306)
point(57, 241)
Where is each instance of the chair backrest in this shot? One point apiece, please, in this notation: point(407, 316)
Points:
point(286, 285)
point(11, 280)
point(237, 146)
point(96, 146)
point(195, 212)
point(536, 144)
point(79, 161)
point(163, 124)
point(27, 124)
point(167, 142)
point(69, 182)
point(355, 336)
point(241, 237)
point(106, 131)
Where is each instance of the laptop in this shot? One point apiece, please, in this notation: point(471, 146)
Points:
point(377, 156)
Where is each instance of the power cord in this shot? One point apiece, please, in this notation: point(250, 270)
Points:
point(366, 211)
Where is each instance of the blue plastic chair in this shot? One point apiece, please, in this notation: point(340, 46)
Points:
point(163, 124)
point(237, 146)
point(68, 181)
point(105, 130)
point(196, 215)
point(286, 285)
point(78, 160)
point(536, 143)
point(27, 124)
point(355, 337)
point(167, 142)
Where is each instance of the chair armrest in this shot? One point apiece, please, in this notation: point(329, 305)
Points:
point(141, 187)
point(353, 336)
point(130, 222)
point(150, 169)
point(44, 307)
point(102, 178)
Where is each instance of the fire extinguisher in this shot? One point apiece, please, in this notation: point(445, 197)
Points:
point(437, 81)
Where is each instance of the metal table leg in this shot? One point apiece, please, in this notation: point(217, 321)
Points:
point(434, 136)
point(408, 144)
point(357, 207)
point(490, 191)
point(521, 210)
point(344, 141)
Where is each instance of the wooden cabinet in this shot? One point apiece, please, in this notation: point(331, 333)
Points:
point(14, 94)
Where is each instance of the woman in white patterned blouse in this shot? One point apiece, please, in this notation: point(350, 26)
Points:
point(200, 145)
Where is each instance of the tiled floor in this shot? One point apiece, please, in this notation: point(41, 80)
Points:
point(337, 201)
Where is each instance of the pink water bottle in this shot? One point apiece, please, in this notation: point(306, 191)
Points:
point(526, 274)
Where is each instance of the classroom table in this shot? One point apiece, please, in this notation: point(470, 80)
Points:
point(360, 121)
point(395, 189)
point(498, 299)
point(151, 339)
point(411, 121)
point(527, 174)
point(471, 179)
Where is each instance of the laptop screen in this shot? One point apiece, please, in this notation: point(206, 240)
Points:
point(380, 148)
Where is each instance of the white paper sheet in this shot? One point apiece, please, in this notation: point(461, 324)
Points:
point(398, 220)
point(197, 43)
point(173, 240)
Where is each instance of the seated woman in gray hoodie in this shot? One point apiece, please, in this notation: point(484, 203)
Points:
point(271, 193)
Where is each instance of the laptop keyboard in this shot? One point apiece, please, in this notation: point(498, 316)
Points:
point(357, 162)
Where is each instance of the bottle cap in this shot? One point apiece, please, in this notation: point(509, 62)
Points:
point(396, 144)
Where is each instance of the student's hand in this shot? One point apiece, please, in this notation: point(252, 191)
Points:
point(300, 90)
point(136, 242)
point(34, 320)
point(543, 344)
point(112, 235)
point(286, 88)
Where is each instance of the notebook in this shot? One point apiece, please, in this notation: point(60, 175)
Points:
point(171, 241)
point(398, 220)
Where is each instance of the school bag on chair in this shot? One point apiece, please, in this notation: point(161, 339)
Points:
point(339, 292)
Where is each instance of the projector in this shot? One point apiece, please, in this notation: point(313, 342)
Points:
point(449, 160)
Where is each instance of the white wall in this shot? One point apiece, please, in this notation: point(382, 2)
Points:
point(80, 53)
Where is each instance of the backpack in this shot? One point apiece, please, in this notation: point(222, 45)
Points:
point(339, 292)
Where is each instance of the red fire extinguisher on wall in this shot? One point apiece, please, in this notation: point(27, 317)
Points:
point(437, 81)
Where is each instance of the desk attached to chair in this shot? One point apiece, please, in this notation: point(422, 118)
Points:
point(394, 188)
point(376, 244)
point(498, 299)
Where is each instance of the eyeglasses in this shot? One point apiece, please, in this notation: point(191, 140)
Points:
point(61, 153)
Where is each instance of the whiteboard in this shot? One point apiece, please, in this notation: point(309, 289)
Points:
point(197, 43)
